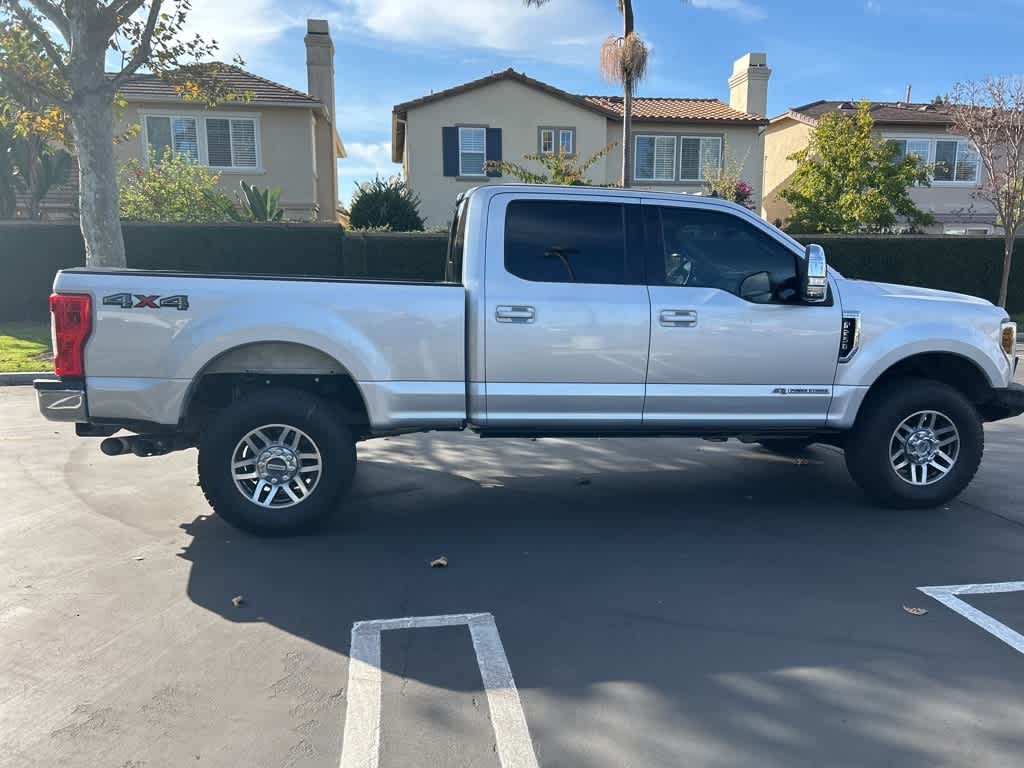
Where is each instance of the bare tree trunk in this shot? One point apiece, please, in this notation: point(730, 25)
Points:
point(627, 101)
point(92, 123)
point(1004, 285)
point(627, 131)
point(33, 154)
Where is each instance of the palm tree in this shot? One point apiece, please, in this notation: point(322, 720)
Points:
point(623, 61)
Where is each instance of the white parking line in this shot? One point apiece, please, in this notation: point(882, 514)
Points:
point(948, 597)
point(361, 740)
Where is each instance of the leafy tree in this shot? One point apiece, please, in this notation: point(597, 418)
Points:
point(173, 189)
point(847, 180)
point(991, 115)
point(55, 51)
point(561, 167)
point(727, 181)
point(385, 204)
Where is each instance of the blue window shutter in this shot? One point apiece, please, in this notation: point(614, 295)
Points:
point(494, 149)
point(450, 150)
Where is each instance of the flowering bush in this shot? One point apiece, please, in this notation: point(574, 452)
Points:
point(742, 193)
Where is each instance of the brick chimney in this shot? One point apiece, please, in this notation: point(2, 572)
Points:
point(320, 75)
point(748, 86)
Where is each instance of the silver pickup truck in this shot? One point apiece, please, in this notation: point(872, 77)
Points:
point(566, 311)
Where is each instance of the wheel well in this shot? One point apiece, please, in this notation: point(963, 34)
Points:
point(216, 390)
point(947, 367)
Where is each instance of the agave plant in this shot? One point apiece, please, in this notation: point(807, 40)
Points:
point(258, 204)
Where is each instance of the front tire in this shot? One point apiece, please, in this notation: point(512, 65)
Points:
point(277, 462)
point(917, 443)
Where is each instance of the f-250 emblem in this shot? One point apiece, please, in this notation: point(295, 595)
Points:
point(142, 301)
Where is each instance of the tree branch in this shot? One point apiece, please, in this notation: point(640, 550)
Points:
point(122, 8)
point(53, 12)
point(142, 50)
point(41, 35)
point(31, 86)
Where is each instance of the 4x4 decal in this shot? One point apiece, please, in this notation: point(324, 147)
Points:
point(143, 301)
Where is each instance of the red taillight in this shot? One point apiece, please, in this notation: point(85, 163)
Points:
point(72, 321)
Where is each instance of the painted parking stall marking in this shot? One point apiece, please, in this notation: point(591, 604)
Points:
point(361, 740)
point(948, 596)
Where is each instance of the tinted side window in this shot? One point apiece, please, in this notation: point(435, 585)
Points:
point(560, 241)
point(710, 249)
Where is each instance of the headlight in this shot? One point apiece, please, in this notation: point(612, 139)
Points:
point(1008, 337)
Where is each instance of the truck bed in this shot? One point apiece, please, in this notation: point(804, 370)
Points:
point(154, 333)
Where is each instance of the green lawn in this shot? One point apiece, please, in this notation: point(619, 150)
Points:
point(25, 347)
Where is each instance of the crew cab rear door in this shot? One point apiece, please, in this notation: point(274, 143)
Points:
point(566, 312)
point(732, 345)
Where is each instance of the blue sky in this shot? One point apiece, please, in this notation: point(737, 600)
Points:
point(390, 51)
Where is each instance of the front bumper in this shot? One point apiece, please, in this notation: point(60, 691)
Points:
point(1004, 403)
point(61, 400)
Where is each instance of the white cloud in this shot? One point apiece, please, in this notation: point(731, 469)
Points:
point(237, 30)
point(550, 31)
point(741, 9)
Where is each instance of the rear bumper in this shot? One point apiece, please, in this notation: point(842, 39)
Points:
point(1004, 403)
point(61, 400)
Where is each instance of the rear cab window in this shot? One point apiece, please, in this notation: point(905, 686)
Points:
point(573, 241)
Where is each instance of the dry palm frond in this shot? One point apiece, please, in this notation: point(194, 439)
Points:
point(624, 59)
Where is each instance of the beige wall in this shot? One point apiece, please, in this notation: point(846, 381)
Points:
point(948, 202)
point(781, 139)
point(286, 149)
point(515, 108)
point(740, 145)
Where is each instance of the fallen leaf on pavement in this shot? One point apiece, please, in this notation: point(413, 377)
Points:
point(138, 557)
point(915, 611)
point(439, 562)
point(237, 600)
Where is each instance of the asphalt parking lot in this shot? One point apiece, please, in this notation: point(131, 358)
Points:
point(659, 603)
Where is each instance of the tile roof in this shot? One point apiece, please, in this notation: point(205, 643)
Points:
point(646, 108)
point(148, 87)
point(883, 112)
point(710, 111)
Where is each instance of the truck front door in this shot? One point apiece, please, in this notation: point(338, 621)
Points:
point(566, 313)
point(732, 345)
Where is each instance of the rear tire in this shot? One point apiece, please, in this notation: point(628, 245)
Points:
point(277, 462)
point(917, 443)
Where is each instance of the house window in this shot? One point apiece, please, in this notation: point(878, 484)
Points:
point(231, 143)
point(953, 161)
point(698, 155)
point(547, 141)
point(175, 133)
point(966, 229)
point(566, 141)
point(654, 158)
point(218, 142)
point(557, 139)
point(919, 147)
point(472, 150)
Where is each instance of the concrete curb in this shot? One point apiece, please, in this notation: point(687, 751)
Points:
point(22, 379)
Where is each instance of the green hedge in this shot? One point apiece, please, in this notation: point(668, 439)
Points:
point(971, 265)
point(30, 254)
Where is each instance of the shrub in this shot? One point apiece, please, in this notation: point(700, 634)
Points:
point(172, 189)
point(385, 203)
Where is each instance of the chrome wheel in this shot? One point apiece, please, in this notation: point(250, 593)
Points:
point(924, 448)
point(276, 466)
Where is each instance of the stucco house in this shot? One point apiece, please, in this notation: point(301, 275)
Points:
point(443, 140)
point(280, 137)
point(921, 129)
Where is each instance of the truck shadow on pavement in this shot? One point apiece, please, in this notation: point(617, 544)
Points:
point(726, 607)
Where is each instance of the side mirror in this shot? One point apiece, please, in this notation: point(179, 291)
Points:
point(814, 275)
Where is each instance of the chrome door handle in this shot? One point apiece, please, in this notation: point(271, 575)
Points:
point(505, 313)
point(678, 318)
